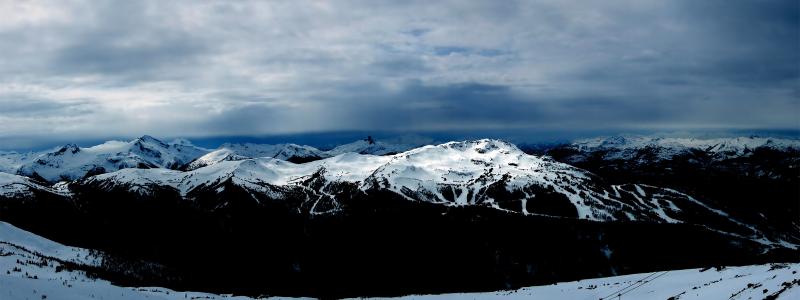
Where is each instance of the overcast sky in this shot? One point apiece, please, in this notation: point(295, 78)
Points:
point(96, 69)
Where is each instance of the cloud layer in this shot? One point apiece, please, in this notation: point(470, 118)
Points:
point(91, 69)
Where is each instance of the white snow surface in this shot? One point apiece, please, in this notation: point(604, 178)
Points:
point(736, 283)
point(32, 281)
point(36, 244)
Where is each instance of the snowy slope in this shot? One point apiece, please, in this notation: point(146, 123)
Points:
point(36, 244)
point(28, 270)
point(772, 281)
point(233, 152)
point(71, 162)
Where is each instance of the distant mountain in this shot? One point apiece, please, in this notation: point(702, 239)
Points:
point(645, 149)
point(371, 146)
point(295, 153)
point(71, 162)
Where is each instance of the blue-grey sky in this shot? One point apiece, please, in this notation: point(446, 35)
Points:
point(84, 70)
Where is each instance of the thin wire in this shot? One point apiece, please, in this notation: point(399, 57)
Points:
point(632, 284)
point(646, 282)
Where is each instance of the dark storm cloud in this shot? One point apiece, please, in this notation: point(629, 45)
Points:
point(185, 68)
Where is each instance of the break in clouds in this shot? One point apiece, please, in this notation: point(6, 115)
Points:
point(95, 69)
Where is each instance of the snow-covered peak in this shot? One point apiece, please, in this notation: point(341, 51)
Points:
point(484, 146)
point(67, 150)
point(146, 139)
point(462, 173)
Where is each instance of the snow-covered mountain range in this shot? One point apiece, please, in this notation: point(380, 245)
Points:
point(485, 173)
point(71, 162)
point(664, 148)
point(295, 153)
